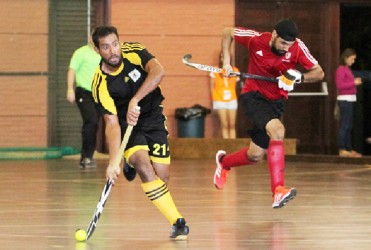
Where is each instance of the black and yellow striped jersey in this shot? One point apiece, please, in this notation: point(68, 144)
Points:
point(113, 92)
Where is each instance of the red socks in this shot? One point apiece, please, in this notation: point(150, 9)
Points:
point(236, 159)
point(275, 157)
point(276, 163)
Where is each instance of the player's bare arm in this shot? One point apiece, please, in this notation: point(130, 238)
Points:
point(133, 115)
point(113, 134)
point(314, 75)
point(155, 74)
point(227, 39)
point(70, 85)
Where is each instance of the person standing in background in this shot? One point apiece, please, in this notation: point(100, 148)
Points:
point(81, 70)
point(346, 85)
point(224, 97)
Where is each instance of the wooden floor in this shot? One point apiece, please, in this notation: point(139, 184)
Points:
point(43, 202)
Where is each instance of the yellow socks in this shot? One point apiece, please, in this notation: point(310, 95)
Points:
point(158, 193)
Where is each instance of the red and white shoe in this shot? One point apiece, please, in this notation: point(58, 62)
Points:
point(221, 174)
point(282, 196)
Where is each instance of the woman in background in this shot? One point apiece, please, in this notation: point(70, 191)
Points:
point(224, 97)
point(346, 86)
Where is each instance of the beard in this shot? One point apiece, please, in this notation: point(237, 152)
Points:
point(278, 52)
point(113, 65)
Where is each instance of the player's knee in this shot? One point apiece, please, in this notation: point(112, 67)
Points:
point(164, 177)
point(255, 157)
point(162, 172)
point(145, 172)
point(277, 132)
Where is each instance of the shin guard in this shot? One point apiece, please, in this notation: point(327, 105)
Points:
point(276, 163)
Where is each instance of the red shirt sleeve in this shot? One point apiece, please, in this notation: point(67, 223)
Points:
point(243, 35)
point(305, 58)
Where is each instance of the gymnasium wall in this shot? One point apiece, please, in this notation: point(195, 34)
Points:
point(170, 29)
point(23, 72)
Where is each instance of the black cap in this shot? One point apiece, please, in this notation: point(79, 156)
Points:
point(287, 30)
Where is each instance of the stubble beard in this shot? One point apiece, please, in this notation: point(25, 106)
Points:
point(113, 65)
point(275, 50)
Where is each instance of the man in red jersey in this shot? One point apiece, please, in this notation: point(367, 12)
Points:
point(273, 54)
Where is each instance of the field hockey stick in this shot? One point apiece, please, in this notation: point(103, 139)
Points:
point(107, 188)
point(98, 211)
point(208, 68)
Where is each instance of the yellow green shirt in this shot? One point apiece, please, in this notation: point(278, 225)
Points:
point(84, 61)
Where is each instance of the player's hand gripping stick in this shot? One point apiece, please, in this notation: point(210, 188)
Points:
point(287, 80)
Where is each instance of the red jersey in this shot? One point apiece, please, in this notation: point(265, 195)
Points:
point(265, 63)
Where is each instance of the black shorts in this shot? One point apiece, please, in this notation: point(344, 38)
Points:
point(150, 137)
point(259, 112)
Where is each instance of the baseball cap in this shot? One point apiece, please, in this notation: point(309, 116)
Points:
point(287, 30)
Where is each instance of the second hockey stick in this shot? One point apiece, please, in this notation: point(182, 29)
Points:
point(208, 68)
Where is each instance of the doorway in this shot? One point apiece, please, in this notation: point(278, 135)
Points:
point(355, 32)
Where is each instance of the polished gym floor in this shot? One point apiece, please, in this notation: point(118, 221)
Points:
point(43, 202)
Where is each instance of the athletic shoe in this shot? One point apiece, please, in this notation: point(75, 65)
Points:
point(221, 173)
point(179, 230)
point(282, 196)
point(350, 153)
point(345, 153)
point(129, 172)
point(355, 154)
point(87, 163)
point(81, 164)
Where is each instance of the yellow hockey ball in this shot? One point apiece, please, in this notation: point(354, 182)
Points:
point(80, 235)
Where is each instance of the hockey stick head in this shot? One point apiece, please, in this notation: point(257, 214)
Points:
point(198, 66)
point(186, 58)
point(99, 209)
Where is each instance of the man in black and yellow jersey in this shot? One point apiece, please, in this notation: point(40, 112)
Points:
point(128, 77)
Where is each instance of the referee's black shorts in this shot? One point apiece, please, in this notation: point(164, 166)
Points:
point(259, 112)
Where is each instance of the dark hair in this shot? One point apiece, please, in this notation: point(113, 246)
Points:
point(348, 52)
point(103, 31)
point(286, 29)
